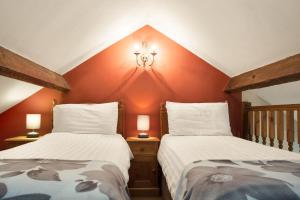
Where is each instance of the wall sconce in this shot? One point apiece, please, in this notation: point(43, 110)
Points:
point(145, 56)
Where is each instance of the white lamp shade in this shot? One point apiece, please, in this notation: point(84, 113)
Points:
point(33, 121)
point(143, 122)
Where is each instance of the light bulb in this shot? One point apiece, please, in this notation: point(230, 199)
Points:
point(137, 48)
point(153, 48)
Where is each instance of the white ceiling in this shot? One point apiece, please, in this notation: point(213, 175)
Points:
point(234, 35)
point(13, 91)
point(280, 94)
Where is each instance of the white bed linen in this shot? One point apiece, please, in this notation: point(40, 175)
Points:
point(86, 118)
point(198, 118)
point(69, 146)
point(176, 152)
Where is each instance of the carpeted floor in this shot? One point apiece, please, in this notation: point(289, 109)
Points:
point(146, 198)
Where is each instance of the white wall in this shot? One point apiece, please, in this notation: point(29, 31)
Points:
point(254, 99)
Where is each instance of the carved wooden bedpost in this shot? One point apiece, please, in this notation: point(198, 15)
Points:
point(246, 117)
point(163, 120)
point(121, 118)
point(298, 126)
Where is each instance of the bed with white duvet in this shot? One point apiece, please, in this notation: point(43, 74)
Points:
point(91, 161)
point(206, 162)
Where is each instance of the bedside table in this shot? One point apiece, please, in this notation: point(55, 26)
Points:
point(19, 140)
point(144, 169)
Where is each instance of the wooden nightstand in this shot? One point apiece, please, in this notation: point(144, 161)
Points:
point(144, 170)
point(19, 140)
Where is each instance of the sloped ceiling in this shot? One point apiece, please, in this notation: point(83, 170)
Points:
point(234, 35)
point(280, 94)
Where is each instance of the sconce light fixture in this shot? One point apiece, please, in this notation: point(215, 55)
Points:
point(145, 56)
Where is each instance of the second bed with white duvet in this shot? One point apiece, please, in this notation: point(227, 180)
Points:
point(176, 153)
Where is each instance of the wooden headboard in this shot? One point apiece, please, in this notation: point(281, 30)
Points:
point(121, 117)
point(163, 114)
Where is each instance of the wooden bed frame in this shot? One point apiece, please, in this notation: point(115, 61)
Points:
point(164, 129)
point(259, 122)
point(121, 117)
point(163, 114)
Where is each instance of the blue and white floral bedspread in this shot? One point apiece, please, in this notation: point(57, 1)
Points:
point(41, 179)
point(240, 180)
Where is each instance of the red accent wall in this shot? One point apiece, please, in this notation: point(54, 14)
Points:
point(112, 75)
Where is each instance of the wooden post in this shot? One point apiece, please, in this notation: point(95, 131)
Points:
point(298, 126)
point(246, 120)
point(290, 128)
point(264, 126)
point(271, 121)
point(280, 128)
point(257, 126)
point(271, 127)
point(250, 117)
point(164, 127)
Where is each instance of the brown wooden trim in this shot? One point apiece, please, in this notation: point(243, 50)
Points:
point(276, 107)
point(264, 131)
point(283, 71)
point(20, 68)
point(280, 128)
point(290, 129)
point(138, 140)
point(268, 120)
point(257, 125)
point(121, 119)
point(271, 119)
point(298, 126)
point(22, 139)
point(164, 127)
point(251, 125)
point(246, 120)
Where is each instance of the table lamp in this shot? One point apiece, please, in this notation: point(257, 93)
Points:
point(33, 122)
point(143, 125)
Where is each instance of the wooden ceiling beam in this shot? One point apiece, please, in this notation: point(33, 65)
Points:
point(20, 68)
point(283, 71)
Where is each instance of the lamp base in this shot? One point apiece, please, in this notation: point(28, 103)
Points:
point(143, 135)
point(32, 134)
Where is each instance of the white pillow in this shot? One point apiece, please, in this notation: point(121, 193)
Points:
point(198, 118)
point(86, 118)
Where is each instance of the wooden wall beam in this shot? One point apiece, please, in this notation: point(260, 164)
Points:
point(283, 71)
point(20, 68)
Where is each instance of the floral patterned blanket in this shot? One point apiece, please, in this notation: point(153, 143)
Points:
point(240, 180)
point(41, 179)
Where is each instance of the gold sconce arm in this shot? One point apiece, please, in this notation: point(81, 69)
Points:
point(145, 59)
